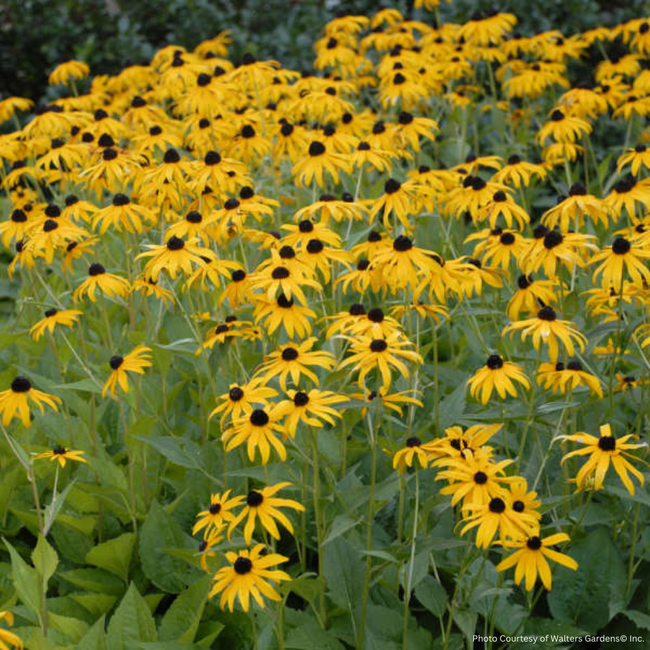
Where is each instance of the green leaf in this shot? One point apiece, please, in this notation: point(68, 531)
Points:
point(340, 525)
point(595, 593)
point(95, 638)
point(640, 619)
point(344, 574)
point(466, 622)
point(96, 604)
point(25, 580)
point(94, 580)
point(171, 449)
point(53, 509)
point(311, 636)
point(160, 531)
point(114, 555)
point(131, 623)
point(307, 586)
point(181, 621)
point(45, 559)
point(73, 628)
point(432, 595)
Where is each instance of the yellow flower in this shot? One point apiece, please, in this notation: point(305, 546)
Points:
point(136, 361)
point(247, 576)
point(61, 454)
point(530, 559)
point(217, 513)
point(14, 402)
point(53, 317)
point(6, 636)
point(111, 285)
point(65, 72)
point(265, 505)
point(496, 374)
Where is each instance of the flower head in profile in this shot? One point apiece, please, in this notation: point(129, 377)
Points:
point(52, 318)
point(61, 454)
point(68, 71)
point(15, 401)
point(602, 451)
point(248, 575)
point(108, 283)
point(265, 506)
point(136, 361)
point(496, 374)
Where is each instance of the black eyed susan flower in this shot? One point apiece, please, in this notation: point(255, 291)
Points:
point(414, 451)
point(320, 160)
point(61, 455)
point(66, 72)
point(601, 452)
point(402, 263)
point(531, 294)
point(571, 210)
point(557, 248)
point(107, 283)
point(283, 311)
point(496, 374)
point(258, 430)
point(563, 128)
point(503, 206)
point(151, 288)
point(381, 354)
point(522, 500)
point(497, 516)
point(217, 514)
point(398, 198)
point(473, 478)
point(282, 279)
point(248, 575)
point(295, 361)
point(76, 250)
point(629, 193)
point(54, 317)
point(623, 255)
point(392, 401)
point(637, 158)
point(14, 402)
point(15, 228)
point(376, 324)
point(510, 245)
point(174, 256)
point(263, 504)
point(559, 377)
point(518, 172)
point(531, 559)
point(241, 399)
point(310, 407)
point(547, 328)
point(122, 213)
point(136, 361)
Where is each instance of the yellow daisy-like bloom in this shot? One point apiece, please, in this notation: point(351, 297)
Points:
point(529, 295)
point(309, 407)
point(561, 378)
point(107, 283)
point(571, 210)
point(601, 452)
point(318, 161)
point(217, 514)
point(248, 576)
point(391, 401)
point(473, 478)
point(151, 288)
point(6, 636)
point(413, 450)
point(621, 256)
point(257, 429)
point(291, 360)
point(531, 559)
point(498, 374)
point(14, 402)
point(637, 158)
point(398, 198)
point(518, 172)
point(174, 256)
point(136, 361)
point(282, 311)
point(381, 354)
point(54, 317)
point(263, 504)
point(64, 73)
point(563, 128)
point(459, 444)
point(61, 454)
point(497, 515)
point(123, 214)
point(241, 399)
point(546, 328)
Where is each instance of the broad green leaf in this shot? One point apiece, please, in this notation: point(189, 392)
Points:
point(344, 573)
point(311, 636)
point(94, 580)
point(96, 604)
point(432, 595)
point(25, 580)
point(95, 638)
point(45, 559)
point(640, 619)
point(340, 525)
point(73, 628)
point(54, 507)
point(171, 449)
point(131, 623)
point(307, 586)
point(114, 555)
point(591, 596)
point(181, 620)
point(159, 532)
point(465, 620)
